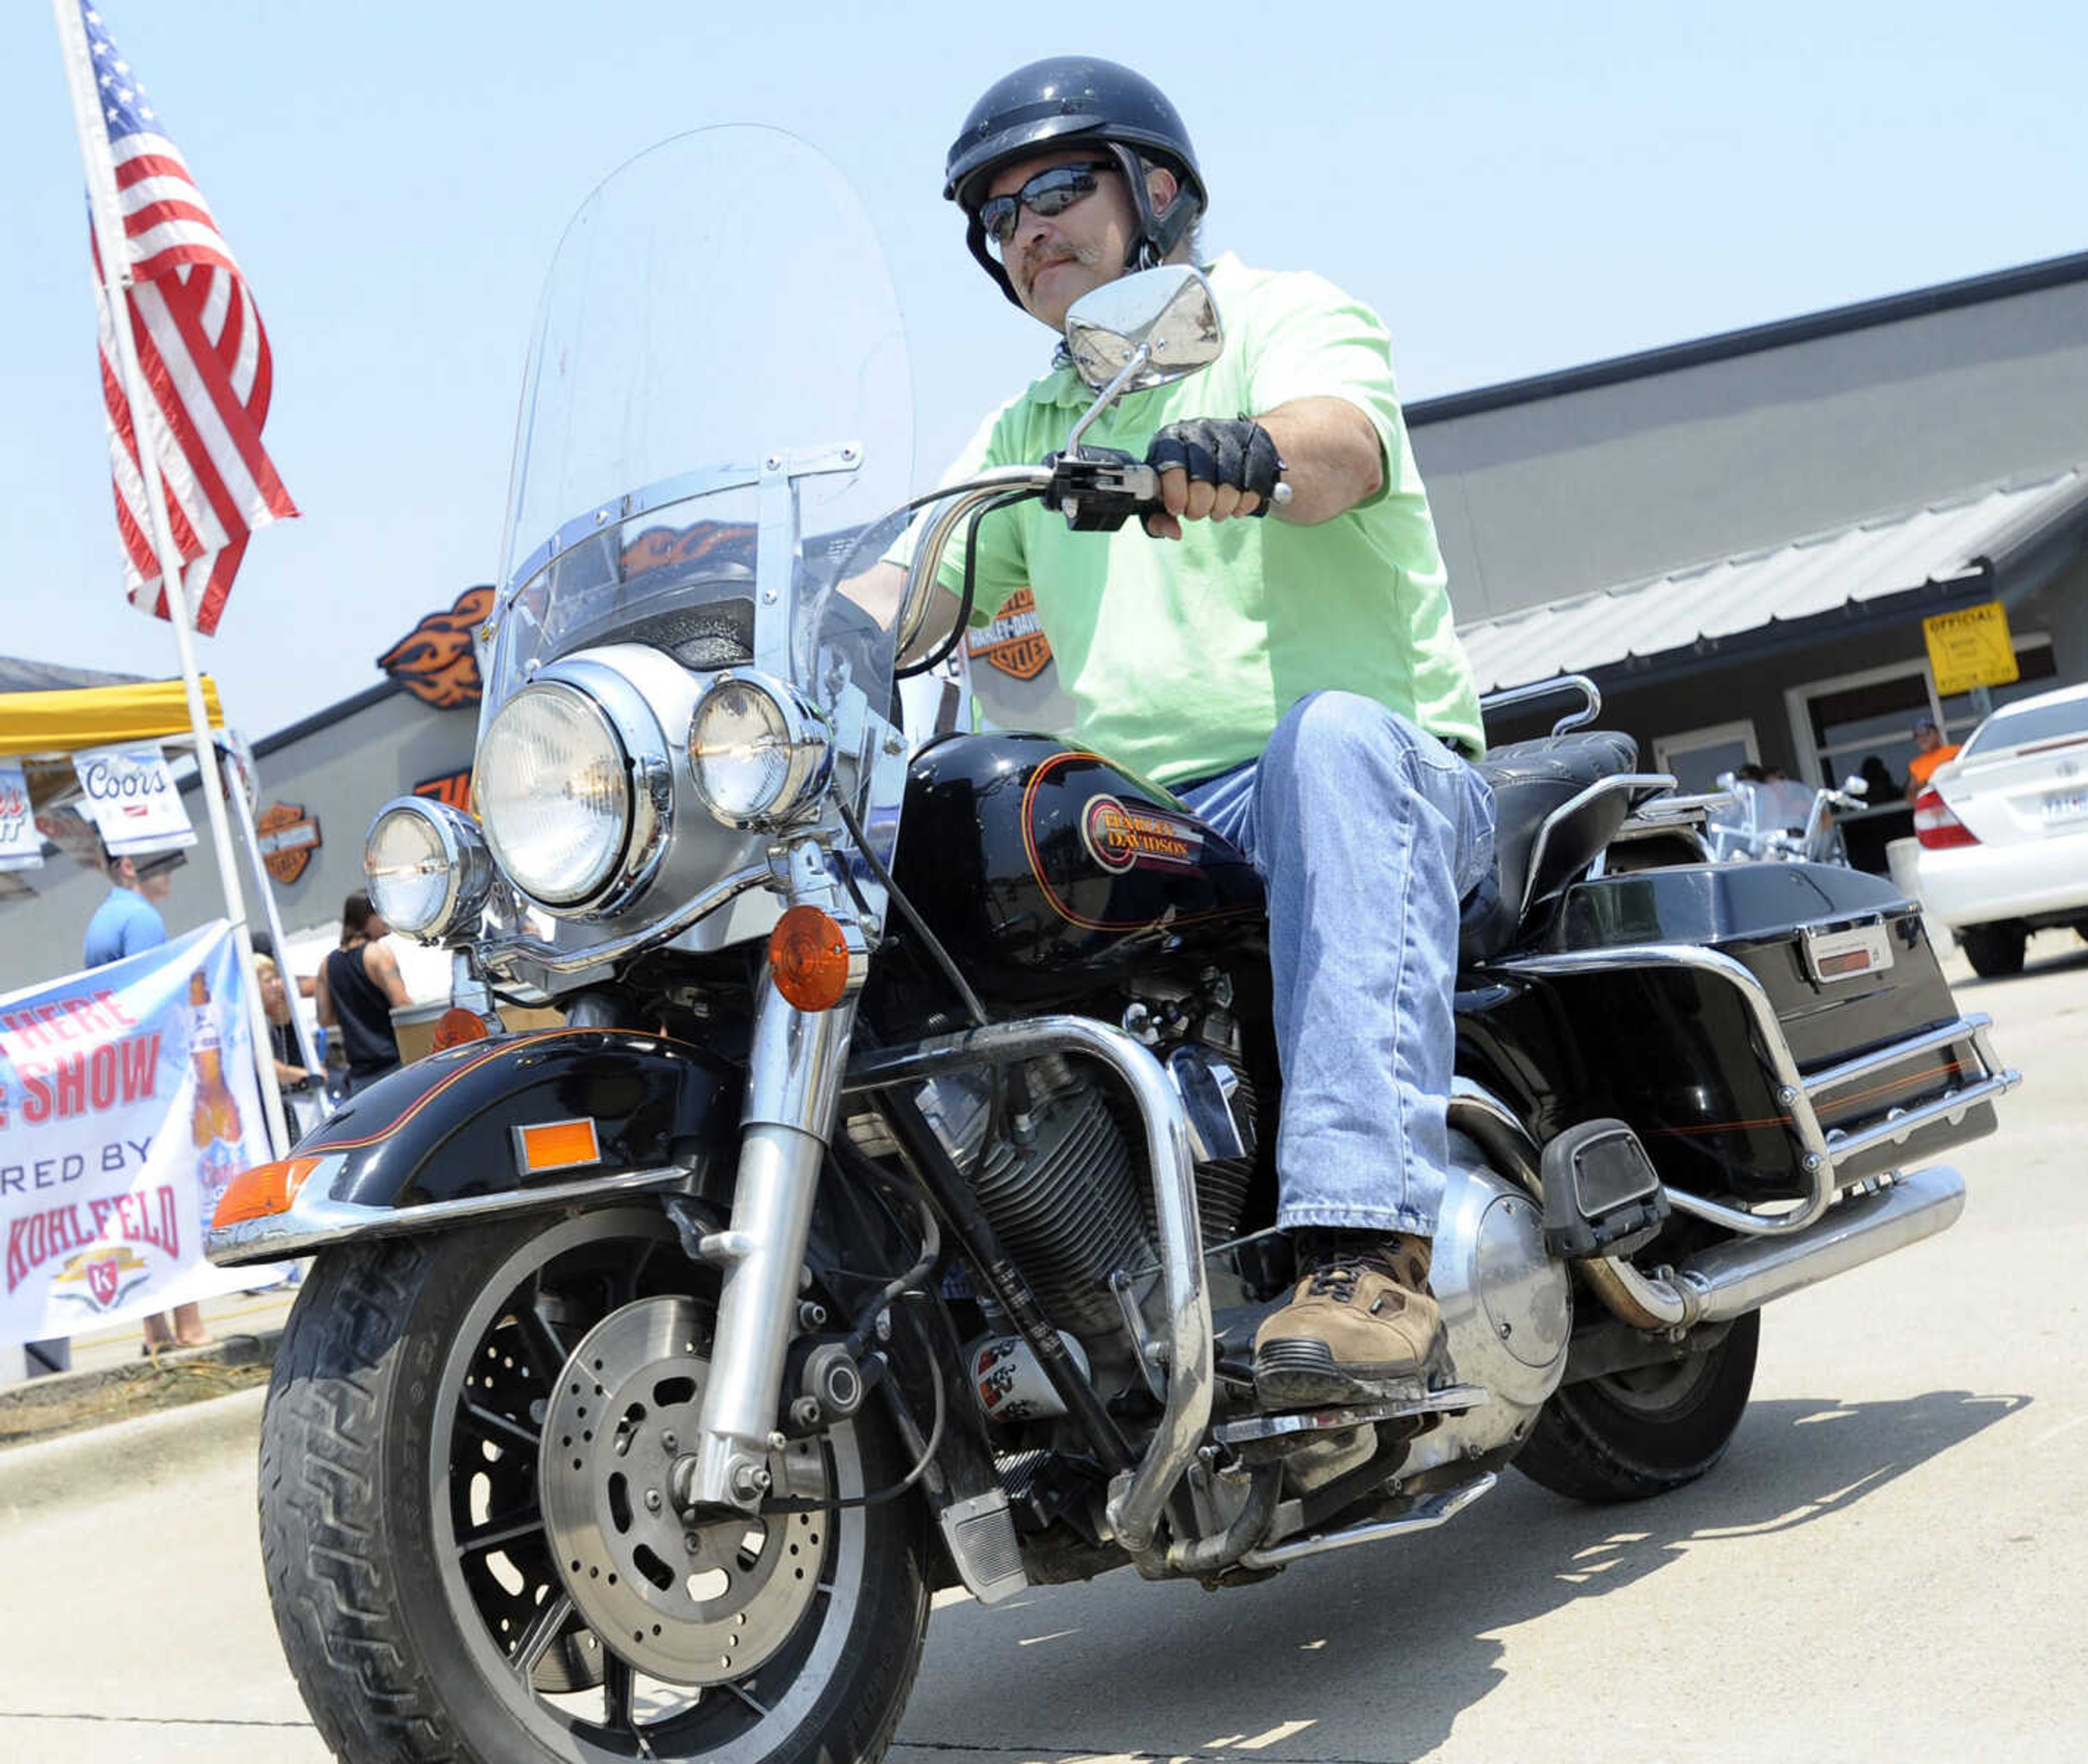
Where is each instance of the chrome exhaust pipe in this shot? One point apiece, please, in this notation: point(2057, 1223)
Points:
point(1731, 1278)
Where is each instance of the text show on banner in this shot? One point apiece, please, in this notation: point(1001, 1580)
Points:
point(127, 1103)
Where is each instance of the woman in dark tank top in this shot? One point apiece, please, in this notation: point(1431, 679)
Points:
point(358, 986)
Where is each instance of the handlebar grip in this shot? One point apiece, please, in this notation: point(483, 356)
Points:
point(1143, 483)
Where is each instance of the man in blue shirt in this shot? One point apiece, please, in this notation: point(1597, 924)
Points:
point(128, 920)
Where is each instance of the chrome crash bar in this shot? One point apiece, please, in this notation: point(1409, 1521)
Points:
point(1821, 1153)
point(1137, 1497)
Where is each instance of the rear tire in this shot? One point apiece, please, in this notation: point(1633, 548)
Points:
point(1631, 1434)
point(1995, 951)
point(403, 1633)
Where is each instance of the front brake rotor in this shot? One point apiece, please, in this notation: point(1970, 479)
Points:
point(691, 1605)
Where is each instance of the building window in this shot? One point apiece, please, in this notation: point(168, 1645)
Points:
point(1842, 726)
point(1862, 725)
point(1698, 757)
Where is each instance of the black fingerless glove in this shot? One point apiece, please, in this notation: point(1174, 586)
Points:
point(1216, 450)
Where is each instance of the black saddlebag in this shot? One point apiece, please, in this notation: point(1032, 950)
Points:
point(1759, 1024)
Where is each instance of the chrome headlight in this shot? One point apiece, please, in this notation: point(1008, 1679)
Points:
point(428, 867)
point(759, 752)
point(552, 786)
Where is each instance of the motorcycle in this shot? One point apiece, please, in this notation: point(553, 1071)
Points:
point(892, 1210)
point(1776, 820)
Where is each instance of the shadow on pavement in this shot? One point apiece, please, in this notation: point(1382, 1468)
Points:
point(1371, 1654)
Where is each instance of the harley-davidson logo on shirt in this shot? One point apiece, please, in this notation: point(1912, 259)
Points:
point(1015, 642)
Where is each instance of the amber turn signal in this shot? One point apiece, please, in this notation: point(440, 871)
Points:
point(263, 1192)
point(808, 959)
point(458, 1026)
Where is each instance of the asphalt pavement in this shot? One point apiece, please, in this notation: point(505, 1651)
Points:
point(1891, 1563)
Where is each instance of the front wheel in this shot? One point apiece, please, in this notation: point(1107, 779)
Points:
point(441, 1594)
point(1630, 1434)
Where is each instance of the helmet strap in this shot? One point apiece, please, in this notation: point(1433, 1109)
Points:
point(1156, 234)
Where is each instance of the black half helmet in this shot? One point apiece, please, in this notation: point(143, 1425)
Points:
point(1061, 102)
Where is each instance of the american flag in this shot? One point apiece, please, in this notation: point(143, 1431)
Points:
point(204, 354)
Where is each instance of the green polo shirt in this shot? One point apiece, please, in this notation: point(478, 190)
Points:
point(1180, 657)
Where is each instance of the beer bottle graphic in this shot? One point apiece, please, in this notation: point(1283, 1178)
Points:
point(214, 1127)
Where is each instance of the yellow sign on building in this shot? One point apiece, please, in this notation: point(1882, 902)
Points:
point(1971, 648)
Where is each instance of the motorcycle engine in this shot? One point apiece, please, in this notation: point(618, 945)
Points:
point(1054, 1168)
point(1056, 1178)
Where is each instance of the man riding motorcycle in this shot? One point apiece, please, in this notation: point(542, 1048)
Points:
point(1297, 682)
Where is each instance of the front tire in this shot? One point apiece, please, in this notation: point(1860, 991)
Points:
point(407, 1556)
point(1629, 1435)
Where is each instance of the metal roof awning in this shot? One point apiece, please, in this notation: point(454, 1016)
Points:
point(1951, 547)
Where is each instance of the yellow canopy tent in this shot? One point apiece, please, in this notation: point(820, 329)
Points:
point(43, 729)
point(99, 716)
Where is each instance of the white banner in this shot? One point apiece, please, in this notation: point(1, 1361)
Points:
point(130, 797)
point(127, 1103)
point(21, 845)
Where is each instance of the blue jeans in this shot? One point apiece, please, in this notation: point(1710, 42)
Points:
point(1368, 833)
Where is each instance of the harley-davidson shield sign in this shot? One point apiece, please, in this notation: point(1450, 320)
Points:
point(288, 838)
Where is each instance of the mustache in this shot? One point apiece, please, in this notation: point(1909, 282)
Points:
point(1043, 257)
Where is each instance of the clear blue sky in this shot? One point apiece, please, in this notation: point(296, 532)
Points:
point(1516, 187)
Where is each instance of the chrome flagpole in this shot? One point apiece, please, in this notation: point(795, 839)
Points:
point(145, 424)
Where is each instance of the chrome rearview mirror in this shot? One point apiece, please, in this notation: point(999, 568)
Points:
point(1145, 329)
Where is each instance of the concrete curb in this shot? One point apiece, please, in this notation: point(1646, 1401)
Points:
point(159, 1450)
point(257, 1349)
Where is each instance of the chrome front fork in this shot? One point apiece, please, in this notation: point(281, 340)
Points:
point(792, 1089)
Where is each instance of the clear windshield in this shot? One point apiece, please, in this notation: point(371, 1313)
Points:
point(717, 409)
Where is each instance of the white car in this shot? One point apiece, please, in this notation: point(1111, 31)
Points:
point(2003, 830)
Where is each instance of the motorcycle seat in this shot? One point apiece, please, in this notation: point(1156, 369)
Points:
point(1538, 849)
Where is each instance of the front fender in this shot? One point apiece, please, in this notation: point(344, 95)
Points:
point(436, 1143)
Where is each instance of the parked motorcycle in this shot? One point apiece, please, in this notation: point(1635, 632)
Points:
point(893, 1210)
point(1776, 820)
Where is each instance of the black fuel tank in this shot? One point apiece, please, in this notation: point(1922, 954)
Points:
point(1044, 870)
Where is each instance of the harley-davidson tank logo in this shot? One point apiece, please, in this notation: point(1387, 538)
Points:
point(1118, 837)
point(1015, 642)
point(434, 661)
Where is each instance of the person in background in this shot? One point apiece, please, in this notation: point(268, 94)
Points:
point(1930, 751)
point(128, 919)
point(359, 986)
point(124, 923)
point(291, 1071)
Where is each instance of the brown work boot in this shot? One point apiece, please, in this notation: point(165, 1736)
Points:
point(1361, 1327)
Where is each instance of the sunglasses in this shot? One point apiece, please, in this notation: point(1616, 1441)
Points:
point(1047, 194)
